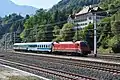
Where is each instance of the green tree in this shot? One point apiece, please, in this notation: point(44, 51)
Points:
point(79, 35)
point(41, 34)
point(116, 25)
point(56, 31)
point(116, 28)
point(67, 32)
point(104, 32)
point(41, 18)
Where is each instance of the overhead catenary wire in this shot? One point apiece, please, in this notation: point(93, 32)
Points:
point(51, 24)
point(57, 23)
point(66, 29)
point(65, 20)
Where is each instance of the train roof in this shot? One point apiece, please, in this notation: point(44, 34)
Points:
point(33, 43)
point(69, 42)
point(45, 43)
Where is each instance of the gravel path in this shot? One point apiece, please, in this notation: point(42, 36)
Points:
point(9, 73)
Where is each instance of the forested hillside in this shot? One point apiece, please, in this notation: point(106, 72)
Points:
point(109, 28)
point(11, 23)
point(73, 5)
point(58, 13)
point(58, 16)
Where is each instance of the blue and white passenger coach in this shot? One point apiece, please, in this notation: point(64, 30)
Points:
point(34, 46)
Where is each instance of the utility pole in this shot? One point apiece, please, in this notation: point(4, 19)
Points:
point(95, 35)
point(5, 42)
point(14, 33)
point(77, 32)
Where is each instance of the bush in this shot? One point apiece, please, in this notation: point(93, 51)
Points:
point(104, 43)
point(114, 43)
point(116, 48)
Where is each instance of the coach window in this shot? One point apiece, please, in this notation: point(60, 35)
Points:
point(34, 45)
point(90, 18)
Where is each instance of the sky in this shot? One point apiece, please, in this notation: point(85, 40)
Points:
point(46, 4)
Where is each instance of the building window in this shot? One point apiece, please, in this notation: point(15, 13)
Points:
point(90, 18)
point(81, 20)
point(85, 23)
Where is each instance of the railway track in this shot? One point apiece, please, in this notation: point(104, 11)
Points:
point(72, 66)
point(108, 67)
point(108, 57)
point(61, 74)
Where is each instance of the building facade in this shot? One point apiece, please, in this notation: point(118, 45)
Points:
point(86, 17)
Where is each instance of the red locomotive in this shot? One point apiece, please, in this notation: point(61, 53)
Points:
point(79, 47)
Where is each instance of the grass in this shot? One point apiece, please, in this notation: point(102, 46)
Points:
point(23, 78)
point(105, 51)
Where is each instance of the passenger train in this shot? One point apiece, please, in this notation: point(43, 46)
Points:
point(78, 47)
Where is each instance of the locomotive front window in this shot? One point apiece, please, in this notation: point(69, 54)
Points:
point(83, 44)
point(49, 46)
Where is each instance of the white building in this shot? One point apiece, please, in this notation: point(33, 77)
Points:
point(85, 16)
